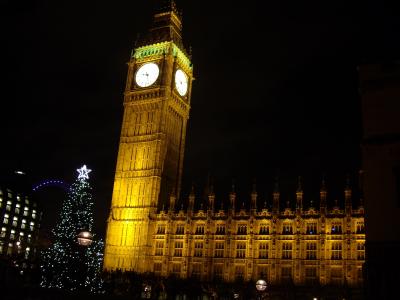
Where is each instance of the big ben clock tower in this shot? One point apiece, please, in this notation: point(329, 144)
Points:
point(151, 149)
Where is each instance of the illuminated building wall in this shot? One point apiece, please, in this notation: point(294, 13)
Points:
point(19, 221)
point(314, 245)
point(150, 156)
point(303, 246)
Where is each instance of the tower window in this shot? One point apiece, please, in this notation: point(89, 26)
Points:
point(159, 248)
point(8, 207)
point(199, 229)
point(218, 271)
point(33, 214)
point(287, 250)
point(219, 249)
point(196, 270)
point(360, 250)
point(263, 250)
point(26, 211)
point(336, 228)
point(161, 229)
point(220, 229)
point(311, 228)
point(264, 229)
point(157, 267)
point(176, 269)
point(311, 250)
point(262, 271)
point(32, 226)
point(23, 224)
point(286, 273)
point(198, 249)
point(311, 275)
point(241, 250)
point(178, 249)
point(239, 272)
point(242, 229)
point(336, 276)
point(180, 229)
point(336, 250)
point(17, 207)
point(360, 228)
point(3, 232)
point(287, 229)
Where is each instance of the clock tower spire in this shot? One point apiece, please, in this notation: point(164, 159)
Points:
point(167, 26)
point(151, 149)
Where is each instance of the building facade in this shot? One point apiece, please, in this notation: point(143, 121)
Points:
point(19, 222)
point(304, 246)
point(150, 156)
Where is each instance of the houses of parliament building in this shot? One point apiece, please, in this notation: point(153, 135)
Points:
point(148, 232)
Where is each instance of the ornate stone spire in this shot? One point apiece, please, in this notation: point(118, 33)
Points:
point(166, 27)
point(299, 195)
point(336, 205)
point(172, 200)
point(222, 205)
point(276, 195)
point(265, 205)
point(254, 197)
point(192, 197)
point(232, 197)
point(288, 204)
point(347, 196)
point(322, 196)
point(211, 199)
point(163, 207)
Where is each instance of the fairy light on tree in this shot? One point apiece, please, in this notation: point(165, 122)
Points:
point(74, 260)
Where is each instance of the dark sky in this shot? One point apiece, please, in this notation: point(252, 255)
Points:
point(275, 92)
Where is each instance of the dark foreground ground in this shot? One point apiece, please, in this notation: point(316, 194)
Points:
point(124, 286)
point(36, 293)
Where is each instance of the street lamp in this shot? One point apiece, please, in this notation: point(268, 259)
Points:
point(146, 292)
point(261, 287)
point(85, 238)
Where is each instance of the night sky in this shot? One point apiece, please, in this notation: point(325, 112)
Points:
point(276, 91)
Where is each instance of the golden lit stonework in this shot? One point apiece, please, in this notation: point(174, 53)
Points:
point(323, 245)
point(303, 246)
point(150, 156)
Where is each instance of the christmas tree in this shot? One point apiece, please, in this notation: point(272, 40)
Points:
point(74, 260)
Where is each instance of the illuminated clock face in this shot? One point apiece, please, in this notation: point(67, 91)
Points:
point(181, 82)
point(147, 74)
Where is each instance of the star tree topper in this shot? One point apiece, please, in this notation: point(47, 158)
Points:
point(83, 173)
